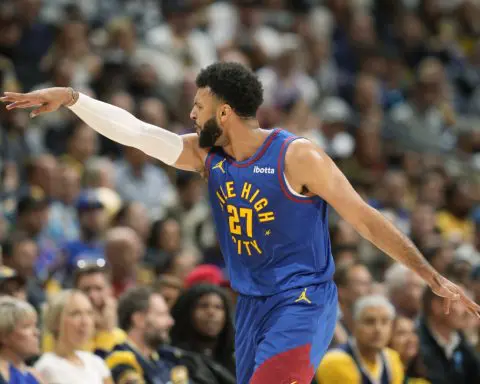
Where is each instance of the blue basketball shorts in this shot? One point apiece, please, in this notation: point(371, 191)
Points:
point(281, 339)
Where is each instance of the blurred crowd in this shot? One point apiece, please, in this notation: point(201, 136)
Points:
point(110, 270)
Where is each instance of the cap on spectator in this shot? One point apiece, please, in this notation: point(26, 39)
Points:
point(31, 200)
point(9, 274)
point(206, 274)
point(89, 199)
point(334, 110)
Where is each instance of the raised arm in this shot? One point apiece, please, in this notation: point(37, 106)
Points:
point(307, 165)
point(117, 124)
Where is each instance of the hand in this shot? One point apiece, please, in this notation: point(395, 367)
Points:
point(45, 100)
point(451, 292)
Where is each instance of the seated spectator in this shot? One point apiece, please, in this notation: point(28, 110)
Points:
point(448, 357)
point(123, 252)
point(94, 281)
point(92, 218)
point(405, 341)
point(12, 284)
point(404, 289)
point(19, 341)
point(203, 324)
point(365, 358)
point(69, 318)
point(144, 358)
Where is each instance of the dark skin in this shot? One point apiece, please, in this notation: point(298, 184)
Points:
point(307, 167)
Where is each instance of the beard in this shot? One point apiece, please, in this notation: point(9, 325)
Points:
point(210, 133)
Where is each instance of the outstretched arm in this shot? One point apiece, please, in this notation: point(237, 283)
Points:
point(116, 124)
point(307, 165)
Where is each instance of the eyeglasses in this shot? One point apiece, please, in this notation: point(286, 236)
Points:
point(83, 264)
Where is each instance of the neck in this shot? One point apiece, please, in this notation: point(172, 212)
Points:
point(11, 358)
point(441, 330)
point(245, 140)
point(138, 341)
point(368, 354)
point(64, 350)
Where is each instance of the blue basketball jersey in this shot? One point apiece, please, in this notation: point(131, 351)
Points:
point(272, 239)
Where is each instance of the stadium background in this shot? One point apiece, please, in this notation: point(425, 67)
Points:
point(390, 89)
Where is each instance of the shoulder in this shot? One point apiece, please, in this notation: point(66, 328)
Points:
point(46, 360)
point(35, 374)
point(122, 357)
point(89, 358)
point(301, 153)
point(396, 364)
point(337, 366)
point(173, 354)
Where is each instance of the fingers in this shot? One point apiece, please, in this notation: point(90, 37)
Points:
point(21, 104)
point(12, 97)
point(446, 305)
point(43, 109)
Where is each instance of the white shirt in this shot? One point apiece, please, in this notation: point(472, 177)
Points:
point(57, 370)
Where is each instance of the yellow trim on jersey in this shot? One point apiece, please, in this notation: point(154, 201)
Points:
point(123, 357)
point(130, 375)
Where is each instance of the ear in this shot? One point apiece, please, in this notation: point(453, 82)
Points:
point(138, 320)
point(225, 111)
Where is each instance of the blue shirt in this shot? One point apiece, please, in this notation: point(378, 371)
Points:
point(272, 239)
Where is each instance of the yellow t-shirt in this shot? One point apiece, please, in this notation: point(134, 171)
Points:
point(453, 228)
point(339, 367)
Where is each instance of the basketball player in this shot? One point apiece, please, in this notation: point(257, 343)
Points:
point(269, 193)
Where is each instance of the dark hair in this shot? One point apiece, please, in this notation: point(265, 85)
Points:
point(133, 301)
point(13, 240)
point(183, 332)
point(341, 274)
point(88, 270)
point(235, 84)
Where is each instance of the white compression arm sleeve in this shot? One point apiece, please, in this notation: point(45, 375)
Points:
point(124, 128)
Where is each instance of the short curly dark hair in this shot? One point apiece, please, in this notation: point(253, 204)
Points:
point(235, 84)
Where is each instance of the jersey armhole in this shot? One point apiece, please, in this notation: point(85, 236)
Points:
point(208, 163)
point(286, 188)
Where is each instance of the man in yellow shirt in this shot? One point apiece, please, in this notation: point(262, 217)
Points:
point(365, 359)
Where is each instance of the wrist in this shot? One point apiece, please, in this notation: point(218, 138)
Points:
point(71, 97)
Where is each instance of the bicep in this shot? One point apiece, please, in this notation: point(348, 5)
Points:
point(192, 157)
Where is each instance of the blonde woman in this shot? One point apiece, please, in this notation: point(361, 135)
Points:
point(19, 341)
point(69, 318)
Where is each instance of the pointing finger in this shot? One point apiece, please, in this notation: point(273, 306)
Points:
point(21, 104)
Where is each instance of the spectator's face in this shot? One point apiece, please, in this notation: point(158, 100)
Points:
point(182, 265)
point(35, 220)
point(153, 111)
point(373, 328)
point(24, 339)
point(442, 259)
point(209, 316)
point(70, 182)
point(135, 157)
point(462, 202)
point(396, 189)
point(23, 258)
point(137, 219)
point(45, 175)
point(170, 236)
point(170, 294)
point(366, 93)
point(422, 221)
point(432, 190)
point(408, 298)
point(83, 144)
point(76, 321)
point(158, 322)
point(96, 287)
point(457, 319)
point(93, 220)
point(404, 339)
point(359, 284)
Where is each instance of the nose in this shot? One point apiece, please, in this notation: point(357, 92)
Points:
point(193, 115)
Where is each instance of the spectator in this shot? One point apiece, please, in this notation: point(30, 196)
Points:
point(93, 281)
point(123, 251)
point(405, 341)
point(19, 341)
point(366, 357)
point(353, 281)
point(134, 215)
point(447, 355)
point(69, 318)
point(144, 316)
point(203, 324)
point(81, 145)
point(89, 246)
point(405, 290)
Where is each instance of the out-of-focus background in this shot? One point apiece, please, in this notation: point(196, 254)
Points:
point(389, 88)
